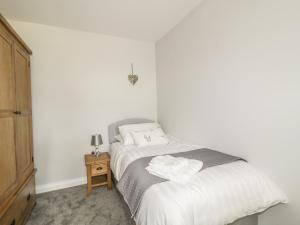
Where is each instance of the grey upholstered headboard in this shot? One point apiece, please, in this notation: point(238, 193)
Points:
point(113, 129)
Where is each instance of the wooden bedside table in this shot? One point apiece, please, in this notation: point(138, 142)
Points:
point(98, 171)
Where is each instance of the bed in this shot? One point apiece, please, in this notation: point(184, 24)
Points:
point(232, 193)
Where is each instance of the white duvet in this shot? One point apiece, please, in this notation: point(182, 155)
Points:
point(215, 196)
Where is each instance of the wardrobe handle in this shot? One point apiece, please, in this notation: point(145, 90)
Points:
point(13, 222)
point(99, 168)
point(28, 197)
point(17, 112)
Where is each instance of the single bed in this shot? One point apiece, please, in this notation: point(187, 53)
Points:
point(227, 194)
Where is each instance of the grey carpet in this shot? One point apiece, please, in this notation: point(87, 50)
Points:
point(71, 206)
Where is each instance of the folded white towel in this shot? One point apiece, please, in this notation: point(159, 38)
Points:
point(174, 168)
point(168, 162)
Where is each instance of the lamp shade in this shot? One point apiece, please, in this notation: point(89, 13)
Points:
point(96, 140)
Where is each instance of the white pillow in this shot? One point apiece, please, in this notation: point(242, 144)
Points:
point(149, 137)
point(119, 138)
point(125, 130)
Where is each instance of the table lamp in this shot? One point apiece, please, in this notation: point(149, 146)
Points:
point(96, 141)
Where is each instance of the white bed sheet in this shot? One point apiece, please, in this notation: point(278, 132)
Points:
point(216, 196)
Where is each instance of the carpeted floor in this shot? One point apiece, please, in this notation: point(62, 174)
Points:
point(71, 206)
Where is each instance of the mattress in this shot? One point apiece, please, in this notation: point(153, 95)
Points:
point(216, 196)
point(122, 156)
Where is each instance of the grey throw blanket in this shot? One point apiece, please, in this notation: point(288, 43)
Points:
point(136, 179)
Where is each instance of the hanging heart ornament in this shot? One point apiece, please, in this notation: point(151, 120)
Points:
point(132, 77)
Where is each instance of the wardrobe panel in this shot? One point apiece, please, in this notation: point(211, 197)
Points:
point(24, 146)
point(22, 74)
point(7, 82)
point(8, 166)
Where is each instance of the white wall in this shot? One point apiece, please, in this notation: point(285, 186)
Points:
point(229, 78)
point(79, 87)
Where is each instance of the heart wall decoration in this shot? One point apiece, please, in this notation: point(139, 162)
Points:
point(132, 77)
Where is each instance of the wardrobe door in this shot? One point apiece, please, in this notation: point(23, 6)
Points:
point(8, 166)
point(23, 119)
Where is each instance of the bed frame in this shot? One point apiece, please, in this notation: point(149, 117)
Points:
point(114, 131)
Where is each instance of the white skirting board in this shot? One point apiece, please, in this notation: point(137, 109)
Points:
point(60, 185)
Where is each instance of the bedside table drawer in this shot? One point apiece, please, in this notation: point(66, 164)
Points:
point(98, 169)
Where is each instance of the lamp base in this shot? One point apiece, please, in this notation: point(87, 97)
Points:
point(97, 153)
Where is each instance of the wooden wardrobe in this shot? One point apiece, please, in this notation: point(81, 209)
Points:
point(17, 184)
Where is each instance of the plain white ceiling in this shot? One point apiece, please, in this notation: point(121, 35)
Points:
point(145, 20)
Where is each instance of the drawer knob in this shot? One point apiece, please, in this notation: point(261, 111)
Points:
point(13, 222)
point(28, 197)
point(99, 168)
